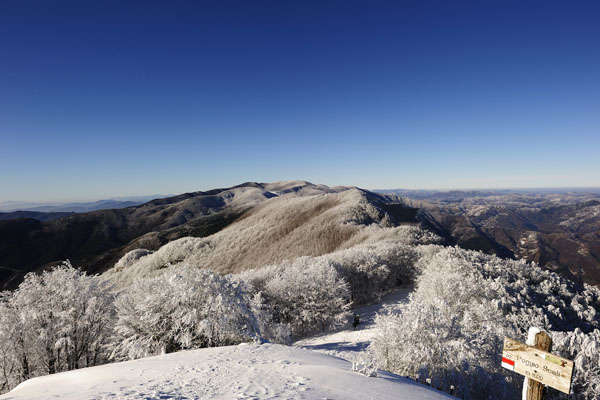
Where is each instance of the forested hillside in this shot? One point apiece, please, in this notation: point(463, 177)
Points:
point(96, 240)
point(558, 230)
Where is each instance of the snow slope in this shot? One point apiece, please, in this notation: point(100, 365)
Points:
point(248, 371)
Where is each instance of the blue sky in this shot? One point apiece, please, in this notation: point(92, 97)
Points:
point(116, 98)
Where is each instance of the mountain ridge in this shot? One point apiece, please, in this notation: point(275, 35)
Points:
point(559, 232)
point(96, 240)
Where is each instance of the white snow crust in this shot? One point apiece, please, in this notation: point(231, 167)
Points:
point(247, 371)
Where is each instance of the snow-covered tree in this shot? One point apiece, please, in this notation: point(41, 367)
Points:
point(584, 350)
point(66, 316)
point(270, 329)
point(15, 357)
point(372, 270)
point(308, 294)
point(449, 331)
point(55, 321)
point(184, 308)
point(466, 302)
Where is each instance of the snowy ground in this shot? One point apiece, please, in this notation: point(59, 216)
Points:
point(348, 343)
point(249, 371)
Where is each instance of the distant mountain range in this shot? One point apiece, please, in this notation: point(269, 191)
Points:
point(456, 196)
point(119, 202)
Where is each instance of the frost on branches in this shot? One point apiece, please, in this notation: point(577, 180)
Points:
point(466, 302)
point(584, 350)
point(55, 321)
point(185, 308)
point(373, 270)
point(307, 293)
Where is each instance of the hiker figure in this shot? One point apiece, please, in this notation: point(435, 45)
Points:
point(356, 321)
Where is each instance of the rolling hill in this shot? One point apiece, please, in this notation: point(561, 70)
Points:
point(95, 241)
point(281, 228)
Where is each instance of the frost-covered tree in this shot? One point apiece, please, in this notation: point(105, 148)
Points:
point(466, 302)
point(66, 316)
point(184, 308)
point(55, 321)
point(372, 270)
point(450, 331)
point(308, 294)
point(15, 357)
point(584, 350)
point(270, 329)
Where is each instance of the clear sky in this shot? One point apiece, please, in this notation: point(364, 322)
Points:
point(115, 98)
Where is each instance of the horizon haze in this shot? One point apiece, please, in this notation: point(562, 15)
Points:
point(17, 205)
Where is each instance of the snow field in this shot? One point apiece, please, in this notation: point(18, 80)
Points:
point(248, 371)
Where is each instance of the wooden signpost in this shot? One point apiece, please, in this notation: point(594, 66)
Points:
point(538, 365)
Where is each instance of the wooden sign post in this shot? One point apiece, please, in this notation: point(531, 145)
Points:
point(541, 367)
